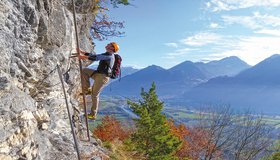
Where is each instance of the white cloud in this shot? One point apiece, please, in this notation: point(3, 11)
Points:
point(201, 39)
point(134, 66)
point(247, 21)
point(257, 21)
point(253, 49)
point(184, 50)
point(174, 45)
point(226, 5)
point(269, 32)
point(177, 53)
point(208, 5)
point(214, 25)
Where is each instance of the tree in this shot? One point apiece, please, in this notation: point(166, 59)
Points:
point(111, 129)
point(276, 156)
point(103, 27)
point(153, 136)
point(115, 3)
point(194, 140)
point(219, 133)
point(275, 149)
point(234, 136)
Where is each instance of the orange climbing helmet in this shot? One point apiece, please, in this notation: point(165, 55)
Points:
point(116, 46)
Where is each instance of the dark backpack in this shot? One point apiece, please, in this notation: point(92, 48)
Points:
point(116, 70)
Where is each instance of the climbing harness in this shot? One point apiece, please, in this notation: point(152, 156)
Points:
point(80, 65)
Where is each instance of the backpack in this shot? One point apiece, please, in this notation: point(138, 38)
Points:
point(116, 70)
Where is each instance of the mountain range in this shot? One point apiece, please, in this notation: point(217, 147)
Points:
point(229, 81)
point(176, 80)
point(257, 88)
point(127, 71)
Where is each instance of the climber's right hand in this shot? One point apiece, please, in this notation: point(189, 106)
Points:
point(81, 51)
point(82, 56)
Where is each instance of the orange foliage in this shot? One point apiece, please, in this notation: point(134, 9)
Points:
point(194, 141)
point(111, 129)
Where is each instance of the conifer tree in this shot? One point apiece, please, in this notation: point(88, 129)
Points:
point(153, 136)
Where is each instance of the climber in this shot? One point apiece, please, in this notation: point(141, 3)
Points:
point(101, 75)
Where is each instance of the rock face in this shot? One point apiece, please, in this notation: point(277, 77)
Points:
point(35, 36)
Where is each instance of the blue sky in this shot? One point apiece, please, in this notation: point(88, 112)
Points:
point(166, 33)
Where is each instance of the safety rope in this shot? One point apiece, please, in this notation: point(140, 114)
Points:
point(57, 68)
point(49, 74)
point(80, 65)
point(40, 82)
point(46, 76)
point(68, 111)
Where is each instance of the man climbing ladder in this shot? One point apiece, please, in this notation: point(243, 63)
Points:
point(101, 75)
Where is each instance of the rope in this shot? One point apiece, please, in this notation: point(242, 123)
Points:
point(69, 115)
point(80, 65)
point(57, 67)
point(47, 76)
point(66, 73)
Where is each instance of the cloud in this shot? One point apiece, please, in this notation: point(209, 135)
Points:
point(246, 21)
point(262, 43)
point(194, 43)
point(227, 5)
point(256, 21)
point(174, 45)
point(201, 39)
point(214, 25)
point(184, 50)
point(178, 53)
point(252, 49)
point(269, 32)
point(134, 65)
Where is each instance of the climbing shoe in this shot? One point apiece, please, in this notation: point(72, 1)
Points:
point(90, 116)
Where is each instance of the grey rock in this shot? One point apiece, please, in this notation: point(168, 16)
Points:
point(96, 158)
point(22, 66)
point(35, 36)
point(57, 28)
point(30, 15)
point(3, 83)
point(42, 30)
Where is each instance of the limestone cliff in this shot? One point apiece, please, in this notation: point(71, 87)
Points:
point(35, 36)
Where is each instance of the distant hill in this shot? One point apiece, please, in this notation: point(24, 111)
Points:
point(174, 81)
point(131, 85)
point(266, 72)
point(187, 70)
point(128, 70)
point(257, 88)
point(229, 66)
